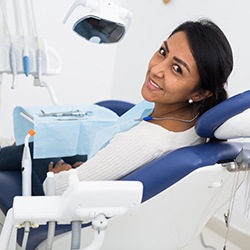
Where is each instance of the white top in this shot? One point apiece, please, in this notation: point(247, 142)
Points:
point(127, 151)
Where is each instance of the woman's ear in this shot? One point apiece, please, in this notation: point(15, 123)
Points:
point(201, 94)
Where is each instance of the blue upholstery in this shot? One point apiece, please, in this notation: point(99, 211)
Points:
point(156, 176)
point(119, 107)
point(11, 181)
point(219, 114)
point(163, 172)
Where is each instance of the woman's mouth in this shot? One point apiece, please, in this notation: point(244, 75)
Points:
point(154, 86)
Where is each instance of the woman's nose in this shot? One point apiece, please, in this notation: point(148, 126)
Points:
point(159, 68)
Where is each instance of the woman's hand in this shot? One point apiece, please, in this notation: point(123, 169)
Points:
point(62, 166)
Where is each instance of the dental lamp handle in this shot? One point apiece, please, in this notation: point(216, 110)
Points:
point(92, 4)
point(127, 15)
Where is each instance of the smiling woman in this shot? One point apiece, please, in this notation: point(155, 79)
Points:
point(185, 77)
point(171, 81)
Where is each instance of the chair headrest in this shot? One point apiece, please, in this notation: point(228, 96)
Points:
point(226, 120)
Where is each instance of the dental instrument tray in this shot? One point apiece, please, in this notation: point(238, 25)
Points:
point(72, 113)
point(73, 129)
point(63, 130)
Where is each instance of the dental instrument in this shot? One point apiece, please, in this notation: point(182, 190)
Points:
point(105, 23)
point(12, 50)
point(20, 32)
point(77, 113)
point(27, 165)
point(26, 177)
point(39, 58)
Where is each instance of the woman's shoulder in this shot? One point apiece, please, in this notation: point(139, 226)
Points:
point(176, 139)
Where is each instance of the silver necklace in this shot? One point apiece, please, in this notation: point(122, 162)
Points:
point(150, 118)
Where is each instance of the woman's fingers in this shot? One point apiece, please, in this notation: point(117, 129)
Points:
point(59, 163)
point(77, 164)
point(60, 166)
point(51, 165)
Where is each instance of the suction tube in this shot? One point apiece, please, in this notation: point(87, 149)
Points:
point(26, 180)
point(26, 165)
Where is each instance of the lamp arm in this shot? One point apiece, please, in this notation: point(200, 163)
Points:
point(92, 4)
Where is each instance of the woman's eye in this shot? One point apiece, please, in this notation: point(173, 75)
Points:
point(162, 51)
point(177, 68)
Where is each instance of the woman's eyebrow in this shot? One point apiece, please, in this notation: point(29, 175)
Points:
point(182, 62)
point(176, 58)
point(166, 46)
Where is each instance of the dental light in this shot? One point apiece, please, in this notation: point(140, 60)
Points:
point(105, 23)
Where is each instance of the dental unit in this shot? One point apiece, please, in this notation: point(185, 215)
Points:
point(23, 51)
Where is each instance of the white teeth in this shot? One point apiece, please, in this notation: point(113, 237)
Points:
point(155, 85)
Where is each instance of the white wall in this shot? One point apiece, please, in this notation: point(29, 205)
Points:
point(152, 23)
point(91, 72)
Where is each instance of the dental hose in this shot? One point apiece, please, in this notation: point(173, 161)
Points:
point(13, 64)
point(39, 59)
point(26, 180)
point(12, 52)
point(76, 235)
point(50, 190)
point(76, 225)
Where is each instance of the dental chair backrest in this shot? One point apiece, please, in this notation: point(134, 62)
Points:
point(231, 118)
point(161, 175)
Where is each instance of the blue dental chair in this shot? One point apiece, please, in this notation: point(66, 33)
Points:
point(171, 186)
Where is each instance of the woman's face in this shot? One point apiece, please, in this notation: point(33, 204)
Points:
point(172, 77)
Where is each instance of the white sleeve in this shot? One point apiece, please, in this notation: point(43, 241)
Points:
point(126, 152)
